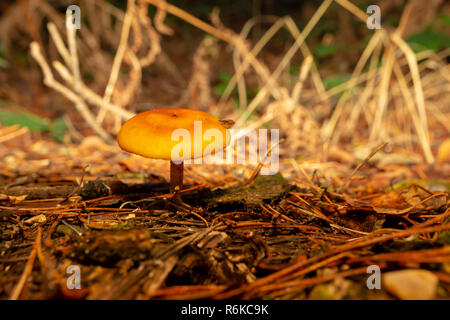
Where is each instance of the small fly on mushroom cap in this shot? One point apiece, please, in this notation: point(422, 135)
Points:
point(156, 134)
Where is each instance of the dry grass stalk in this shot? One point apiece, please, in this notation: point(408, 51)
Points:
point(288, 56)
point(411, 92)
point(15, 294)
point(376, 86)
point(198, 93)
point(116, 96)
point(50, 81)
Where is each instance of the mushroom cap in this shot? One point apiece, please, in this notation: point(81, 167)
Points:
point(155, 134)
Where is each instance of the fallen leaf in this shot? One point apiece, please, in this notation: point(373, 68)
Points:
point(13, 199)
point(36, 219)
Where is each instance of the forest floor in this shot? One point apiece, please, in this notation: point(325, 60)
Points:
point(309, 232)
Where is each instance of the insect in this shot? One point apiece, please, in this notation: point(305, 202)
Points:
point(227, 123)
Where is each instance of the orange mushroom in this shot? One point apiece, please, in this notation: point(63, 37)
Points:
point(156, 134)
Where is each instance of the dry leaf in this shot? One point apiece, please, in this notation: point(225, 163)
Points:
point(13, 199)
point(36, 219)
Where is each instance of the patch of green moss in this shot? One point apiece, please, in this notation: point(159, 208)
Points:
point(422, 183)
point(123, 226)
point(263, 188)
point(444, 237)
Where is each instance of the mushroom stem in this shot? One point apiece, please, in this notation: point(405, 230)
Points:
point(176, 176)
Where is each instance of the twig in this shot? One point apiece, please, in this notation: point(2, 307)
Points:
point(349, 178)
point(123, 44)
point(297, 267)
point(13, 134)
point(72, 228)
point(261, 164)
point(15, 294)
point(287, 57)
point(90, 96)
point(236, 41)
point(59, 43)
point(412, 62)
point(52, 83)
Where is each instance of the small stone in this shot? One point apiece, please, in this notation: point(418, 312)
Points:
point(446, 267)
point(411, 284)
point(36, 219)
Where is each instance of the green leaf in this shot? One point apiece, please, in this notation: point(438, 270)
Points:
point(294, 68)
point(220, 88)
point(225, 77)
point(29, 120)
point(428, 40)
point(58, 129)
point(325, 50)
point(445, 19)
point(335, 80)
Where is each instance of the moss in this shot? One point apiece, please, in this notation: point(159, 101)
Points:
point(422, 183)
point(322, 292)
point(95, 189)
point(264, 188)
point(414, 244)
point(123, 226)
point(444, 237)
point(65, 230)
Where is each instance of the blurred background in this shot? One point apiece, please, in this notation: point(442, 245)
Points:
point(312, 69)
